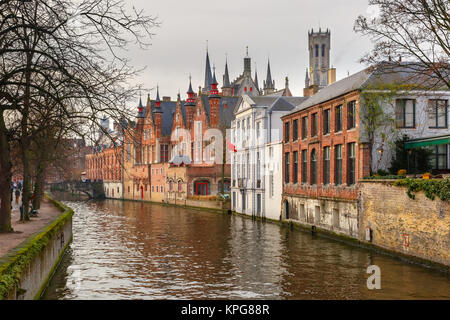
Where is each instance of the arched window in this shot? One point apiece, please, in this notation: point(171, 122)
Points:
point(313, 167)
point(180, 186)
point(171, 185)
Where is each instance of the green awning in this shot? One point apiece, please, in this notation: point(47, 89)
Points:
point(417, 143)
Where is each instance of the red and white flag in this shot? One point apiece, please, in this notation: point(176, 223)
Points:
point(231, 146)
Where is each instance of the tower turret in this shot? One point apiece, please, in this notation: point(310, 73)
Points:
point(214, 103)
point(269, 84)
point(319, 57)
point(208, 77)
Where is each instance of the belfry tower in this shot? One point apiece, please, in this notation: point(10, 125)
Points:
point(319, 57)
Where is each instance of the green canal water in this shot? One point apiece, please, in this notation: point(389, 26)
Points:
point(131, 250)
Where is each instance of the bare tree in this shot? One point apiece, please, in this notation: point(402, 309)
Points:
point(416, 31)
point(66, 56)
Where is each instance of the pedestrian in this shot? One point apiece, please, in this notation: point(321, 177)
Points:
point(21, 210)
point(17, 196)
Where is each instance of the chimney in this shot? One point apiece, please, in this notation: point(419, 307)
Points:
point(166, 99)
point(331, 75)
point(308, 92)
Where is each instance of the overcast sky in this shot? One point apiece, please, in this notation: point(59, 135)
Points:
point(275, 29)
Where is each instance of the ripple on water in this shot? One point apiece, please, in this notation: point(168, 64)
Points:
point(127, 250)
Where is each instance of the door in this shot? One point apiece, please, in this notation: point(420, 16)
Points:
point(142, 192)
point(258, 204)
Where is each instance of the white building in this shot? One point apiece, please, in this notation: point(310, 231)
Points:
point(256, 166)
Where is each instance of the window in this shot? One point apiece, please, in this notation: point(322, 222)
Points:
point(326, 121)
point(323, 50)
point(313, 167)
point(162, 189)
point(405, 113)
point(286, 167)
point(164, 153)
point(156, 188)
point(338, 118)
point(248, 166)
point(257, 130)
point(338, 164)
point(171, 185)
point(258, 171)
point(295, 130)
point(326, 165)
point(351, 114)
point(439, 156)
point(304, 165)
point(351, 164)
point(295, 169)
point(153, 188)
point(286, 132)
point(271, 184)
point(437, 113)
point(317, 50)
point(314, 124)
point(304, 127)
point(180, 186)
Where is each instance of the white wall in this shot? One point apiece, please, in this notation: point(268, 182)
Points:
point(110, 186)
point(387, 135)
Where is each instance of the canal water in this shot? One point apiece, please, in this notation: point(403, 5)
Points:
point(132, 250)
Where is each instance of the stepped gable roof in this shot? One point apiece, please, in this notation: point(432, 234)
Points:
point(168, 111)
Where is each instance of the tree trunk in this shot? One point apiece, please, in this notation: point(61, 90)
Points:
point(38, 186)
point(5, 178)
point(25, 142)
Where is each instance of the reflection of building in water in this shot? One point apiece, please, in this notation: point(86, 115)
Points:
point(258, 269)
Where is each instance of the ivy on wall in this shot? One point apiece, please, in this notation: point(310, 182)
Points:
point(431, 187)
point(13, 265)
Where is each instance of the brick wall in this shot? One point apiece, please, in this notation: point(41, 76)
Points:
point(419, 227)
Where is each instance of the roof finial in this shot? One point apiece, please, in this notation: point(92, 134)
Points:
point(206, 46)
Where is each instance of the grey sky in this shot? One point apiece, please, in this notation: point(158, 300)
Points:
point(275, 29)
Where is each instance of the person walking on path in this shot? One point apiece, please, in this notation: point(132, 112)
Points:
point(17, 196)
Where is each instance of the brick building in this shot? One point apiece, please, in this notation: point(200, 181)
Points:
point(326, 149)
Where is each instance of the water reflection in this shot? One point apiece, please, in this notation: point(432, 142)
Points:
point(131, 250)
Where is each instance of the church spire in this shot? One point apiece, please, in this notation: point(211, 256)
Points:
point(157, 101)
point(190, 101)
point(226, 77)
point(208, 77)
point(269, 76)
point(214, 91)
point(256, 79)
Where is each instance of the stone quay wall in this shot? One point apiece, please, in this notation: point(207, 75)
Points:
point(26, 270)
point(418, 228)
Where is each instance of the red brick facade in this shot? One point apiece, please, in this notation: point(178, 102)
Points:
point(338, 136)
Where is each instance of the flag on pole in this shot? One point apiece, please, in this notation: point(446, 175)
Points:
point(231, 146)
